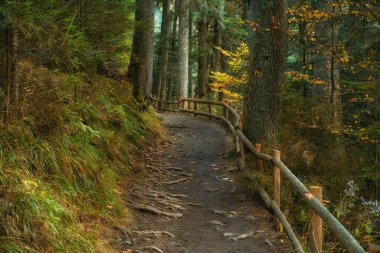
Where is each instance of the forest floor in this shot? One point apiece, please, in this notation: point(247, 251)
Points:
point(191, 201)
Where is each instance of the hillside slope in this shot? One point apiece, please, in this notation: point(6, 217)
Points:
point(61, 165)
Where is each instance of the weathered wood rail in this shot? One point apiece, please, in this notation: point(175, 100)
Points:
point(313, 196)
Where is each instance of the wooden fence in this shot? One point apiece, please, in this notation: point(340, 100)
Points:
point(313, 197)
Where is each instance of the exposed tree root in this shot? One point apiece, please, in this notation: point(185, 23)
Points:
point(151, 209)
point(156, 249)
point(235, 237)
point(192, 204)
point(164, 169)
point(176, 181)
point(177, 195)
point(169, 205)
point(161, 198)
point(156, 233)
point(168, 196)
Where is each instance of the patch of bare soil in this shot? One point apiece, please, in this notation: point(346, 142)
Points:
point(190, 200)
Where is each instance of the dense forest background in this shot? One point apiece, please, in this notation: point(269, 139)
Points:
point(75, 78)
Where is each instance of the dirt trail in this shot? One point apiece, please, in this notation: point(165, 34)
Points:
point(194, 175)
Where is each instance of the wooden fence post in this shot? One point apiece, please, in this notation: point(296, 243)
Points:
point(315, 230)
point(259, 162)
point(277, 183)
point(242, 153)
point(210, 111)
point(195, 108)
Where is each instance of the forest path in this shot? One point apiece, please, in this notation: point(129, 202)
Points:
point(215, 211)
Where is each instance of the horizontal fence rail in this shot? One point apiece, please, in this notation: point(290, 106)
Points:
point(233, 121)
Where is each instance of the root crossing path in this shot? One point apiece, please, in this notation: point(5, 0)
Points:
point(191, 200)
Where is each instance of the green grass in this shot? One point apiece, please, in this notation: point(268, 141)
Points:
point(61, 163)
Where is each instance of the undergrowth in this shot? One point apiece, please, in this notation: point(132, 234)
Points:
point(62, 159)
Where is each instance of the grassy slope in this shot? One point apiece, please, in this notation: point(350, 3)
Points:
point(61, 163)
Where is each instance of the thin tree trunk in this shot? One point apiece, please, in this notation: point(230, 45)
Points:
point(4, 70)
point(262, 101)
point(216, 63)
point(321, 60)
point(217, 43)
point(303, 46)
point(8, 75)
point(3, 58)
point(163, 73)
point(250, 17)
point(224, 63)
point(140, 71)
point(326, 68)
point(173, 51)
point(203, 56)
point(335, 97)
point(191, 83)
point(14, 69)
point(183, 49)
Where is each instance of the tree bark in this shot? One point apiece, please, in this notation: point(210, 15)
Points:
point(250, 17)
point(3, 46)
point(216, 63)
point(140, 70)
point(8, 75)
point(217, 43)
point(191, 83)
point(303, 46)
point(183, 49)
point(173, 51)
point(3, 70)
point(262, 100)
point(163, 73)
point(203, 56)
point(14, 69)
point(335, 97)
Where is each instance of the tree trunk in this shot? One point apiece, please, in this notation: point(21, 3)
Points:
point(163, 73)
point(14, 69)
point(191, 83)
point(335, 97)
point(203, 56)
point(8, 75)
point(326, 68)
point(216, 63)
point(173, 51)
point(183, 49)
point(217, 43)
point(140, 70)
point(262, 100)
point(303, 46)
point(3, 46)
point(250, 17)
point(3, 70)
point(322, 57)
